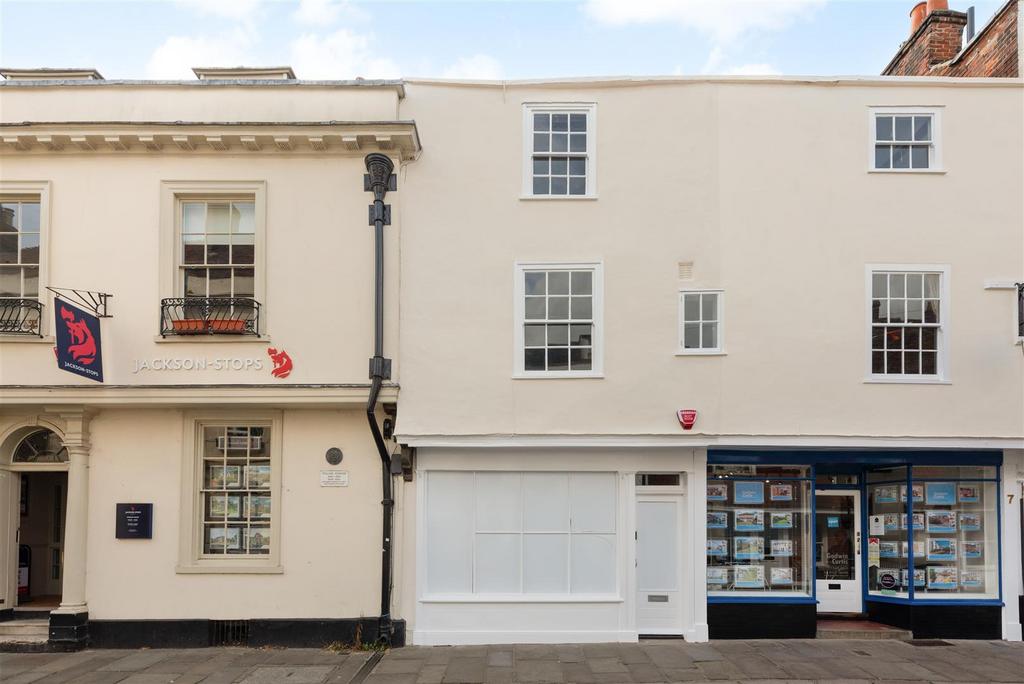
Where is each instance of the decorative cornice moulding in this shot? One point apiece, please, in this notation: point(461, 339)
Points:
point(398, 138)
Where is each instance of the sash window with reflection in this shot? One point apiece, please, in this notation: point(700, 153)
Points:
point(19, 265)
point(903, 141)
point(559, 150)
point(218, 248)
point(558, 319)
point(906, 323)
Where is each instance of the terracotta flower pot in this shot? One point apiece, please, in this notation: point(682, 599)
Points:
point(189, 325)
point(230, 325)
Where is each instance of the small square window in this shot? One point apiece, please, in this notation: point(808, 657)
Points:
point(904, 140)
point(700, 321)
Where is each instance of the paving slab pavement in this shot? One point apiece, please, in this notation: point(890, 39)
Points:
point(648, 662)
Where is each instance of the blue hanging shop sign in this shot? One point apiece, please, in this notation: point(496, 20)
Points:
point(78, 349)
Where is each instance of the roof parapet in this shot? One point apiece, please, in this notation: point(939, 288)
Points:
point(273, 73)
point(51, 74)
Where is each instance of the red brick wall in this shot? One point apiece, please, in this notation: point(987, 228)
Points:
point(935, 48)
point(993, 53)
point(937, 40)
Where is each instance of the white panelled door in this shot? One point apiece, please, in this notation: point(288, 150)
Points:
point(659, 524)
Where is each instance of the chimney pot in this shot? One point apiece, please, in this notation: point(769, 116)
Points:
point(934, 5)
point(917, 16)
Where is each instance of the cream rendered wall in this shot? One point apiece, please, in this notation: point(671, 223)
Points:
point(199, 101)
point(330, 536)
point(105, 232)
point(764, 186)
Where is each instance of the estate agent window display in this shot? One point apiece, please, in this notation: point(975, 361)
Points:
point(940, 542)
point(759, 522)
point(236, 490)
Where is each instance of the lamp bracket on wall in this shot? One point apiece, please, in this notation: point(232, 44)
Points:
point(93, 301)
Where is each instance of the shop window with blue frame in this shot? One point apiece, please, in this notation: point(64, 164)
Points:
point(759, 521)
point(933, 532)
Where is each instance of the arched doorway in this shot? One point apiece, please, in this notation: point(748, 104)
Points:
point(38, 461)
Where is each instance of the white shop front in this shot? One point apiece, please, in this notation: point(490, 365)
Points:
point(557, 545)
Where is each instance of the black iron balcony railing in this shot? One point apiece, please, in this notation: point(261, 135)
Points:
point(209, 316)
point(20, 316)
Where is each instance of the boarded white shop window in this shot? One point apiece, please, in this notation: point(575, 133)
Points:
point(520, 533)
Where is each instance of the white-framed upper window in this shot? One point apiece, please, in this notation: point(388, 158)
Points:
point(217, 256)
point(700, 321)
point(558, 313)
point(231, 508)
point(24, 230)
point(905, 139)
point(213, 237)
point(559, 150)
point(516, 533)
point(908, 314)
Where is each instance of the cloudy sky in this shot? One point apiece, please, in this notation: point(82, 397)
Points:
point(336, 39)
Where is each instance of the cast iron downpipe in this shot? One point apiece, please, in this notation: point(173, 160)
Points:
point(379, 180)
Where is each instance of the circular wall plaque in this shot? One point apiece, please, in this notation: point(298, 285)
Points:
point(334, 455)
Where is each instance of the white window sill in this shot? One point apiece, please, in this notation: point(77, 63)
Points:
point(904, 380)
point(700, 352)
point(557, 198)
point(229, 569)
point(522, 598)
point(557, 375)
point(911, 171)
point(214, 339)
point(27, 339)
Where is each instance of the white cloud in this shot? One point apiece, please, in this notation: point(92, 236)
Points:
point(759, 69)
point(722, 20)
point(476, 67)
point(177, 55)
point(239, 10)
point(339, 55)
point(326, 12)
point(716, 60)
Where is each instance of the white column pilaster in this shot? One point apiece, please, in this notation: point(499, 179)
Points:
point(76, 440)
point(1013, 489)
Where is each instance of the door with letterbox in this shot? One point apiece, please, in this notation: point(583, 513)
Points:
point(837, 551)
point(659, 561)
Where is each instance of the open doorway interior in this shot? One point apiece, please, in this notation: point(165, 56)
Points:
point(40, 558)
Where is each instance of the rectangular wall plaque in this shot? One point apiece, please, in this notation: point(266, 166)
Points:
point(334, 478)
point(134, 521)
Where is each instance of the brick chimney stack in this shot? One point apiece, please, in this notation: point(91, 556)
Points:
point(936, 37)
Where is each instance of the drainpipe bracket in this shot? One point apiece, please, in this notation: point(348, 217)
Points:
point(380, 212)
point(380, 367)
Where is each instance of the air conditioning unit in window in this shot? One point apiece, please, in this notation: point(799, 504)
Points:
point(240, 443)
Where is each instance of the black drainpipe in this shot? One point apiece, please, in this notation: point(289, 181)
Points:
point(379, 180)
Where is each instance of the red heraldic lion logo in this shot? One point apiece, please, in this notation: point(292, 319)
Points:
point(83, 349)
point(282, 363)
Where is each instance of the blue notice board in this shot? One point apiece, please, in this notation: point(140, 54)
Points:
point(748, 492)
point(940, 493)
